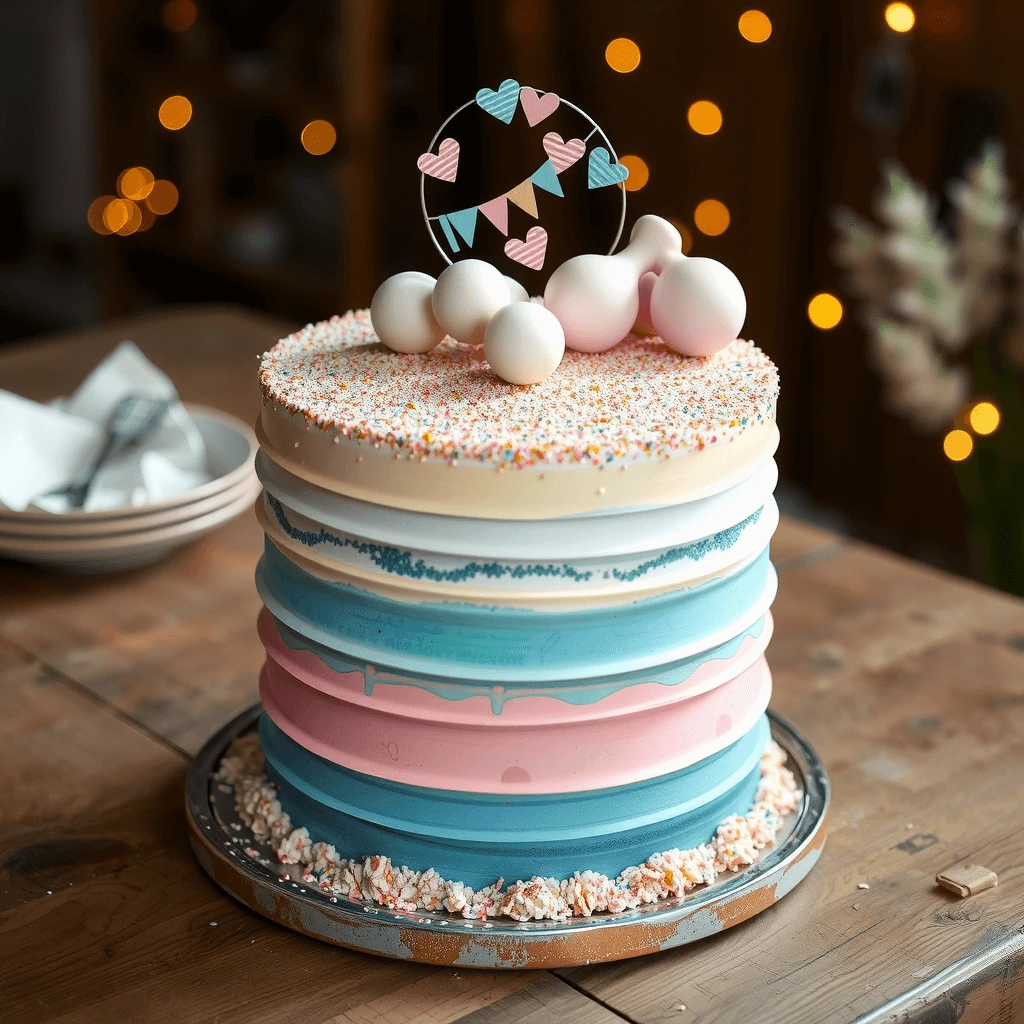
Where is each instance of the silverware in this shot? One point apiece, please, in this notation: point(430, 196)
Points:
point(134, 418)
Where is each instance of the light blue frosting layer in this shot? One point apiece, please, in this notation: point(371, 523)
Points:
point(581, 691)
point(477, 837)
point(498, 643)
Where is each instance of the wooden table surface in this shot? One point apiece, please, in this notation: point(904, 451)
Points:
point(909, 683)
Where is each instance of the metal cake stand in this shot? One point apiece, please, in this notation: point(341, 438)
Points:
point(220, 840)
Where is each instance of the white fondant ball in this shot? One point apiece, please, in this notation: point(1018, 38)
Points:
point(655, 241)
point(516, 290)
point(466, 296)
point(698, 306)
point(524, 343)
point(595, 300)
point(401, 313)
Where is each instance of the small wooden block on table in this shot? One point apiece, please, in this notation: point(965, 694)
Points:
point(909, 683)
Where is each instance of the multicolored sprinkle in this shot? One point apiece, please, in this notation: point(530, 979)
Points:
point(637, 402)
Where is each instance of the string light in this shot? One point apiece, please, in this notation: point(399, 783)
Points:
point(163, 198)
point(175, 112)
point(638, 173)
point(135, 183)
point(824, 311)
point(900, 17)
point(704, 117)
point(755, 26)
point(957, 445)
point(94, 215)
point(622, 55)
point(711, 217)
point(319, 137)
point(984, 418)
point(178, 15)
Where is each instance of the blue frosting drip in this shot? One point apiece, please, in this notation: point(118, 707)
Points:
point(477, 837)
point(587, 691)
point(402, 563)
point(462, 640)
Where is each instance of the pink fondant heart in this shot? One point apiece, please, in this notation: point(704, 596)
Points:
point(531, 252)
point(445, 165)
point(535, 107)
point(563, 154)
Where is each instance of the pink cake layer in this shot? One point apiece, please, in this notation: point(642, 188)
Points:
point(537, 745)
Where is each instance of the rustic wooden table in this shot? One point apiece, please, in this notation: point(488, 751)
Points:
point(909, 683)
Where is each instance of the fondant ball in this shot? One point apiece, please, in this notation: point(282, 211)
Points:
point(524, 343)
point(595, 301)
point(401, 313)
point(516, 290)
point(698, 306)
point(655, 240)
point(466, 296)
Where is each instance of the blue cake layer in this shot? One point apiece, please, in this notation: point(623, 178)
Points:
point(458, 640)
point(476, 838)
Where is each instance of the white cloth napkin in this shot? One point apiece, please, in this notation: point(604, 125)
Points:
point(46, 447)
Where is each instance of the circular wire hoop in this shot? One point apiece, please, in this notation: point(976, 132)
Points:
point(429, 220)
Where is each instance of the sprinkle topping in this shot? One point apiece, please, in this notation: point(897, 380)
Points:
point(638, 401)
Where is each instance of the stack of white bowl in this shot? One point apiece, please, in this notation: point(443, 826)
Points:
point(134, 535)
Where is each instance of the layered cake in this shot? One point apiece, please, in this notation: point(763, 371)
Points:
point(515, 636)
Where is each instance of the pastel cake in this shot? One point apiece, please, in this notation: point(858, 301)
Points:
point(515, 636)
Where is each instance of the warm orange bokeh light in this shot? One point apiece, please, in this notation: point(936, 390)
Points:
point(134, 221)
point(638, 173)
point(178, 15)
point(94, 215)
point(824, 311)
point(957, 445)
point(135, 183)
point(163, 198)
point(900, 17)
point(115, 214)
point(704, 117)
point(984, 418)
point(175, 112)
point(319, 137)
point(622, 55)
point(711, 217)
point(755, 26)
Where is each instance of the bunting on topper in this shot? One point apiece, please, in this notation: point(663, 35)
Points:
point(458, 228)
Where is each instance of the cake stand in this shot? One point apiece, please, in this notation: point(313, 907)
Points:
point(219, 840)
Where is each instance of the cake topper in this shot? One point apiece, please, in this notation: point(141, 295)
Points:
point(591, 301)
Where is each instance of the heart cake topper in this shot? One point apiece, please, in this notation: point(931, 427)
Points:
point(563, 135)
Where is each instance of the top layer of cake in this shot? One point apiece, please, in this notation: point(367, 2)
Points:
point(639, 405)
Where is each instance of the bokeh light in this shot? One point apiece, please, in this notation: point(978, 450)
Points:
point(134, 219)
point(638, 173)
point(163, 198)
point(622, 55)
point(175, 112)
point(755, 26)
point(135, 183)
point(711, 217)
point(704, 117)
point(148, 217)
point(900, 18)
point(178, 15)
point(685, 233)
point(824, 311)
point(943, 19)
point(957, 445)
point(116, 214)
point(983, 418)
point(319, 137)
point(94, 215)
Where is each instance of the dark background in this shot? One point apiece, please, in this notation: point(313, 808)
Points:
point(807, 117)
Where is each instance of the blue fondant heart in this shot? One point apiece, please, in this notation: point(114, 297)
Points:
point(501, 104)
point(601, 171)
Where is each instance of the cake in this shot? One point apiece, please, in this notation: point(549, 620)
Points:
point(514, 636)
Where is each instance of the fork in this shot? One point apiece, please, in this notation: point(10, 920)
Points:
point(134, 418)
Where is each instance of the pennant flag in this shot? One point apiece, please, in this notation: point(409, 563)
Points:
point(448, 233)
point(464, 221)
point(546, 177)
point(522, 195)
point(496, 211)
